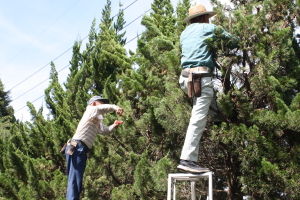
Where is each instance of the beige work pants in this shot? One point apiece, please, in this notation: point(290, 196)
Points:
point(190, 150)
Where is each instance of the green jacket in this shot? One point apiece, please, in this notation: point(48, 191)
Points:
point(194, 48)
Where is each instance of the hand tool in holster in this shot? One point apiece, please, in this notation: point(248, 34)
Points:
point(194, 83)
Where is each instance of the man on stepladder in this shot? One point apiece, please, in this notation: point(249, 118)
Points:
point(196, 79)
point(76, 151)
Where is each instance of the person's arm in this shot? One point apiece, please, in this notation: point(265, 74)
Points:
point(231, 40)
point(105, 130)
point(106, 108)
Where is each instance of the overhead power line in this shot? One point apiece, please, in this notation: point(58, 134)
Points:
point(48, 79)
point(129, 5)
point(70, 47)
point(41, 68)
point(69, 64)
point(39, 83)
point(60, 56)
point(30, 102)
point(136, 18)
point(133, 38)
point(39, 35)
point(61, 70)
point(35, 87)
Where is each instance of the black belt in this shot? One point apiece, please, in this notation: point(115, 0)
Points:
point(82, 143)
point(186, 73)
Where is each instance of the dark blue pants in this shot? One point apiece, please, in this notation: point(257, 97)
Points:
point(75, 168)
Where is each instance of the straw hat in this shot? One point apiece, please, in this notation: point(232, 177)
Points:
point(197, 10)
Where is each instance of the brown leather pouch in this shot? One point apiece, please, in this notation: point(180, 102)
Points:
point(190, 86)
point(62, 150)
point(197, 84)
point(72, 144)
point(71, 150)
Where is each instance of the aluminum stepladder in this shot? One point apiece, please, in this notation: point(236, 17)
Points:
point(192, 177)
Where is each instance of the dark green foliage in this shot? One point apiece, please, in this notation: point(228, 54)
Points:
point(259, 139)
point(6, 112)
point(5, 109)
point(254, 151)
point(119, 25)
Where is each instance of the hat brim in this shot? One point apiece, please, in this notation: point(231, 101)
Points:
point(105, 101)
point(210, 13)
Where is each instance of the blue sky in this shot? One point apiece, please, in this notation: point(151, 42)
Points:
point(33, 33)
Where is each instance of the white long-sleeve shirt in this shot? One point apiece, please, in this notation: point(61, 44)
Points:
point(91, 123)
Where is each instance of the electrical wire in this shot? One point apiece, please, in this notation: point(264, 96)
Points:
point(39, 84)
point(30, 102)
point(35, 87)
point(136, 18)
point(133, 38)
point(69, 64)
point(58, 72)
point(63, 52)
point(48, 79)
point(39, 35)
point(129, 5)
point(41, 68)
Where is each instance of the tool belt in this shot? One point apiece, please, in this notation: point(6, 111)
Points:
point(194, 81)
point(199, 68)
point(72, 144)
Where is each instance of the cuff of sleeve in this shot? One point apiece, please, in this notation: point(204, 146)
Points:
point(111, 128)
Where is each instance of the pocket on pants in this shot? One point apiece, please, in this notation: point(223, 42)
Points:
point(207, 82)
point(80, 150)
point(207, 87)
point(183, 83)
point(81, 155)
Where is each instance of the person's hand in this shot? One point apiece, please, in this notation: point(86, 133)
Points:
point(120, 111)
point(117, 123)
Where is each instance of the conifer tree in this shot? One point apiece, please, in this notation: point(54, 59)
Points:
point(29, 159)
point(31, 165)
point(157, 104)
point(6, 111)
point(258, 140)
point(253, 153)
point(92, 70)
point(246, 141)
point(119, 25)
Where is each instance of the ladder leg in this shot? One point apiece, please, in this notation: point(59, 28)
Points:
point(208, 194)
point(174, 190)
point(169, 187)
point(210, 187)
point(193, 190)
point(172, 178)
